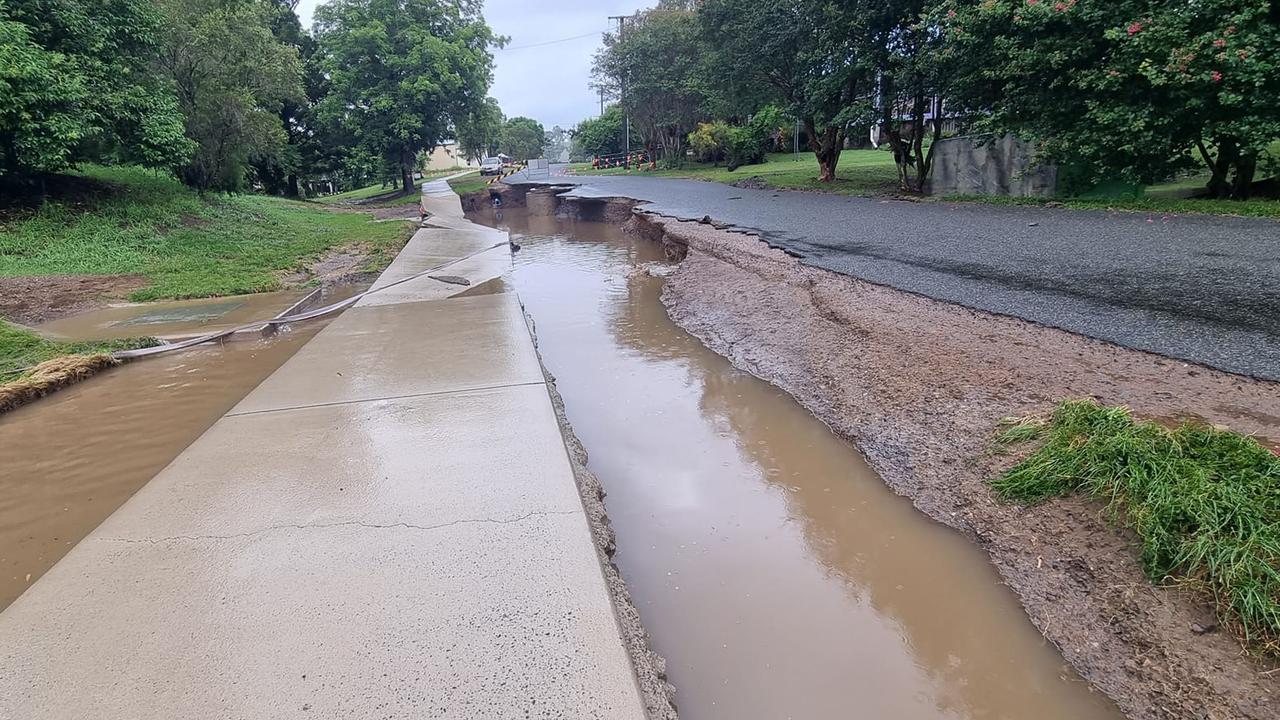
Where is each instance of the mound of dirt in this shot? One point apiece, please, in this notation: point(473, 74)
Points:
point(34, 299)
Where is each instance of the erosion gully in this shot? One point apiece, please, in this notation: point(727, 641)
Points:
point(773, 569)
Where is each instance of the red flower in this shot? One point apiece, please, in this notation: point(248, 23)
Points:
point(951, 13)
point(1219, 43)
point(1217, 76)
point(1135, 28)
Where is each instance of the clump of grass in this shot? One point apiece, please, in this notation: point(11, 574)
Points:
point(21, 351)
point(1205, 502)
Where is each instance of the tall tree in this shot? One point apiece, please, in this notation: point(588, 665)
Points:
point(651, 64)
point(1130, 88)
point(523, 138)
point(233, 77)
point(808, 52)
point(479, 131)
point(601, 135)
point(75, 86)
point(402, 72)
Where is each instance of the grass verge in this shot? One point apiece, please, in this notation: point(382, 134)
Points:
point(469, 184)
point(130, 221)
point(1204, 502)
point(21, 350)
point(377, 189)
point(872, 173)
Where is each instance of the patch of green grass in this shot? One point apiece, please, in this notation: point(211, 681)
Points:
point(377, 189)
point(1205, 502)
point(469, 184)
point(859, 172)
point(21, 350)
point(138, 222)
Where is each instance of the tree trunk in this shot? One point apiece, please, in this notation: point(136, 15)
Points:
point(406, 173)
point(826, 148)
point(1242, 184)
point(292, 189)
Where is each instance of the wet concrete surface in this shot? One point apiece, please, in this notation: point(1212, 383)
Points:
point(776, 573)
point(1198, 288)
point(68, 461)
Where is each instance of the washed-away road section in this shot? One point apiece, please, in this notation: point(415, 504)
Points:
point(387, 527)
point(1196, 288)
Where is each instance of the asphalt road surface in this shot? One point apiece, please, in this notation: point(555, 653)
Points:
point(1196, 288)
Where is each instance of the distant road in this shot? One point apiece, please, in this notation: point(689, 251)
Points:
point(1197, 288)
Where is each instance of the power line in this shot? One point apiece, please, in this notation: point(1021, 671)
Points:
point(553, 42)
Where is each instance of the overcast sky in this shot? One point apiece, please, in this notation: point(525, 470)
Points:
point(548, 83)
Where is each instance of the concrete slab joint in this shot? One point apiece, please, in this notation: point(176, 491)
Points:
point(389, 525)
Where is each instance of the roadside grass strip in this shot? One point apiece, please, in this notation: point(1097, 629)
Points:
point(32, 366)
point(1204, 502)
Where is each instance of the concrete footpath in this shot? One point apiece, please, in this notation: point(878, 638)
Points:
point(387, 527)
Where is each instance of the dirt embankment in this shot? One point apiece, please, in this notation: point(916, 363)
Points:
point(919, 387)
point(35, 299)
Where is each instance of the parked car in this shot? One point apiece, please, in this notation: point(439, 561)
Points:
point(491, 166)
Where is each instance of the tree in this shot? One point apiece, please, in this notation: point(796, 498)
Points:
point(601, 135)
point(652, 66)
point(75, 87)
point(807, 52)
point(403, 72)
point(479, 131)
point(523, 138)
point(279, 172)
point(233, 77)
point(1129, 88)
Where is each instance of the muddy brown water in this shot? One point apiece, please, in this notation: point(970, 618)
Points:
point(772, 567)
point(69, 460)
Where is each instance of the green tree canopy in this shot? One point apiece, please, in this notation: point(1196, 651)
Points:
point(479, 131)
point(402, 72)
point(75, 86)
point(523, 138)
point(601, 135)
point(1128, 88)
point(233, 77)
point(808, 52)
point(652, 66)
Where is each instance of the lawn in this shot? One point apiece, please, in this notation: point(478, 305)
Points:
point(872, 172)
point(133, 221)
point(469, 184)
point(859, 172)
point(1204, 503)
point(372, 191)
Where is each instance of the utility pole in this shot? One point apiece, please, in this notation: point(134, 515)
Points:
point(622, 82)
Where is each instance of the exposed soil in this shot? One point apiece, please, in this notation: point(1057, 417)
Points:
point(34, 299)
point(919, 387)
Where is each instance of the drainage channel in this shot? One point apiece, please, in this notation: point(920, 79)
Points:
point(772, 567)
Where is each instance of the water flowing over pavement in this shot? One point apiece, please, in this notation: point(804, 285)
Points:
point(775, 571)
point(1196, 288)
point(388, 526)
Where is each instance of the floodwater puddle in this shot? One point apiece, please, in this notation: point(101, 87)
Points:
point(171, 318)
point(69, 460)
point(774, 570)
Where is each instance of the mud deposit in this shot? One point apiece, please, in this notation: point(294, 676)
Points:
point(69, 460)
point(775, 572)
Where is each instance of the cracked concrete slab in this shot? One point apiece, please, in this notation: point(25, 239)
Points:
point(373, 353)
point(388, 526)
point(423, 460)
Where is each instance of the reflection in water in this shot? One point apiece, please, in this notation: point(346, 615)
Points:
point(69, 460)
point(774, 570)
